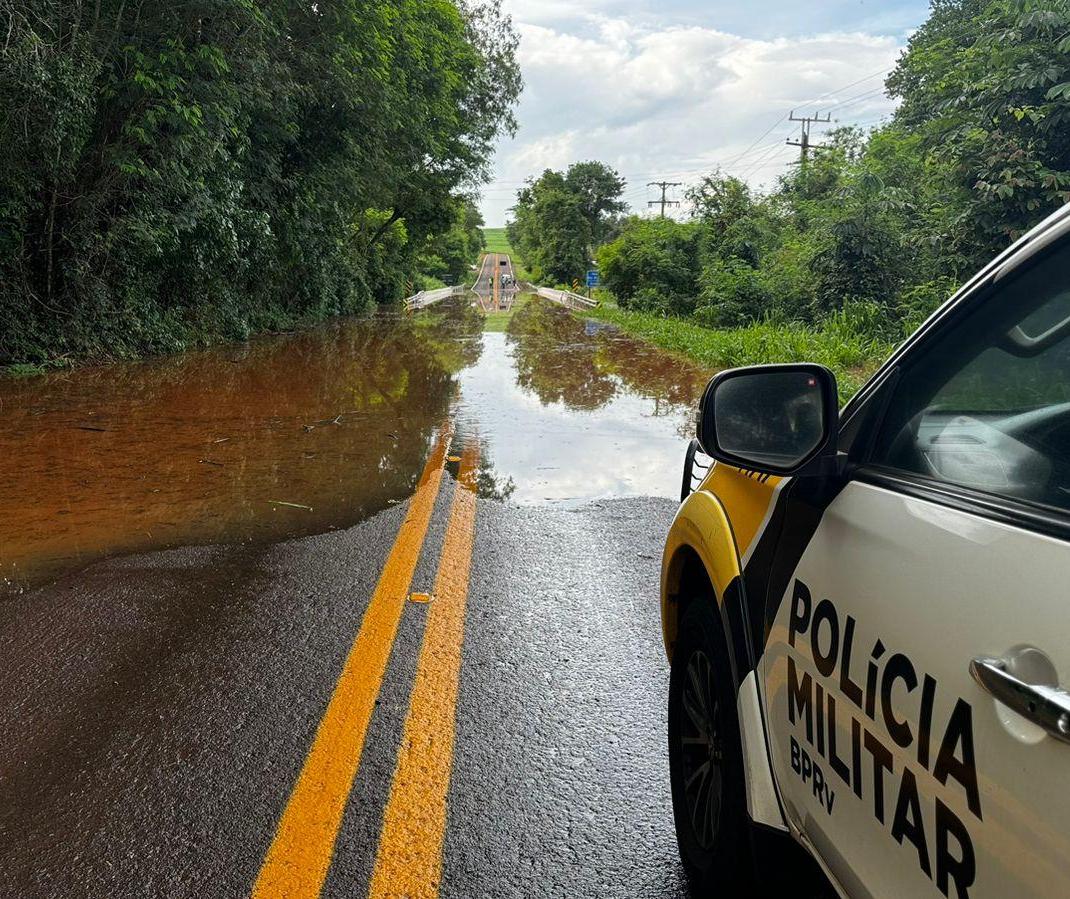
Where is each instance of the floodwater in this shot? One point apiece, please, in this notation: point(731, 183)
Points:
point(301, 434)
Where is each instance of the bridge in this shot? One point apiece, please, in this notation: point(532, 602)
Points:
point(496, 289)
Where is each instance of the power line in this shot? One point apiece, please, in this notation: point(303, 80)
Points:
point(758, 162)
point(753, 152)
point(846, 87)
point(757, 140)
point(858, 98)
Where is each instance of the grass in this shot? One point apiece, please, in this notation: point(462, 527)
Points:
point(27, 369)
point(499, 321)
point(851, 356)
point(497, 241)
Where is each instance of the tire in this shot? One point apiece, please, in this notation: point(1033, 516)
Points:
point(706, 769)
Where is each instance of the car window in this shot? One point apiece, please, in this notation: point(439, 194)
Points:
point(987, 405)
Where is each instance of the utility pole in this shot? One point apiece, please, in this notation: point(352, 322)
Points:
point(663, 202)
point(804, 133)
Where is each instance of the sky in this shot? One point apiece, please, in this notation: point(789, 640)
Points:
point(673, 89)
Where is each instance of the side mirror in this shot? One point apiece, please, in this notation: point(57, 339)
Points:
point(776, 419)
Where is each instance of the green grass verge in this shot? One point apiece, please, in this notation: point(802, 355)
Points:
point(27, 369)
point(852, 356)
point(499, 321)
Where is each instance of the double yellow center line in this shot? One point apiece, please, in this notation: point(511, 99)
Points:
point(409, 862)
point(410, 850)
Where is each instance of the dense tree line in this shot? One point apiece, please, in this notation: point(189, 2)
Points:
point(447, 257)
point(881, 227)
point(176, 171)
point(561, 216)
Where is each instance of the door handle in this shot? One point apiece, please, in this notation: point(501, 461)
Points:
point(1047, 707)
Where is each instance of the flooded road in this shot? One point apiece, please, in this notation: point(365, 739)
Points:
point(367, 611)
point(305, 434)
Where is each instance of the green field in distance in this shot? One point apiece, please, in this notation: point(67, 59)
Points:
point(497, 242)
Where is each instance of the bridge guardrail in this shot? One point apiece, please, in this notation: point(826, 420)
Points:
point(426, 298)
point(566, 298)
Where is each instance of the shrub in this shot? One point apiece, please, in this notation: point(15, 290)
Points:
point(733, 293)
point(915, 304)
point(652, 265)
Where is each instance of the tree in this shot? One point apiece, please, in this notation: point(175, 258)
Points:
point(878, 226)
point(987, 85)
point(447, 256)
point(862, 256)
point(559, 218)
point(171, 172)
point(720, 200)
point(598, 189)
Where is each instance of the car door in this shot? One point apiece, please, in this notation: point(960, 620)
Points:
point(914, 658)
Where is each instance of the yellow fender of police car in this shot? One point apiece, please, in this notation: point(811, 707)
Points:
point(716, 524)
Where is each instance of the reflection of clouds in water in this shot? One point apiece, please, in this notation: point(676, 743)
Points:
point(553, 453)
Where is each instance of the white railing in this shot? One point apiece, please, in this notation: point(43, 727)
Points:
point(566, 298)
point(426, 298)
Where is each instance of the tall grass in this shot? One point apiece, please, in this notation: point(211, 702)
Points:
point(837, 343)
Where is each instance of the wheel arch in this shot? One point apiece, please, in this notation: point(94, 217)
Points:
point(701, 561)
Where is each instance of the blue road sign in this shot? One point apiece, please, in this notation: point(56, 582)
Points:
point(593, 279)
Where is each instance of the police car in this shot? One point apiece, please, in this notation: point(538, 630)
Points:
point(867, 610)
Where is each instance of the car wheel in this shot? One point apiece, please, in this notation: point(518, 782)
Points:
point(705, 760)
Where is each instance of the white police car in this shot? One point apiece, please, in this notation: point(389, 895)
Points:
point(867, 611)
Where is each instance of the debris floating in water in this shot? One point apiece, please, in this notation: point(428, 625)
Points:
point(279, 502)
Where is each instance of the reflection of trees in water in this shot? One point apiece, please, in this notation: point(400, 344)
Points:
point(556, 360)
point(487, 484)
point(454, 331)
point(197, 447)
point(673, 385)
point(562, 358)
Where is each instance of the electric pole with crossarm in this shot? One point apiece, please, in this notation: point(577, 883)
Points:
point(804, 136)
point(663, 202)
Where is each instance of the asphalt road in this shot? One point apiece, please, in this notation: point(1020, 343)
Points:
point(159, 711)
point(489, 295)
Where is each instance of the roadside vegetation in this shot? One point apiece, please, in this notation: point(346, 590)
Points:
point(841, 344)
point(849, 252)
point(560, 216)
point(174, 174)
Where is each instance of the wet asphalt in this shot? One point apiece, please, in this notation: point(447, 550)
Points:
point(158, 709)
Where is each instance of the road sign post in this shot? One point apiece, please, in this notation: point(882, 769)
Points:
point(593, 280)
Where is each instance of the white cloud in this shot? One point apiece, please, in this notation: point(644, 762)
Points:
point(675, 99)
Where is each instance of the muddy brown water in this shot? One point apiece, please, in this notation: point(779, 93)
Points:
point(302, 434)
